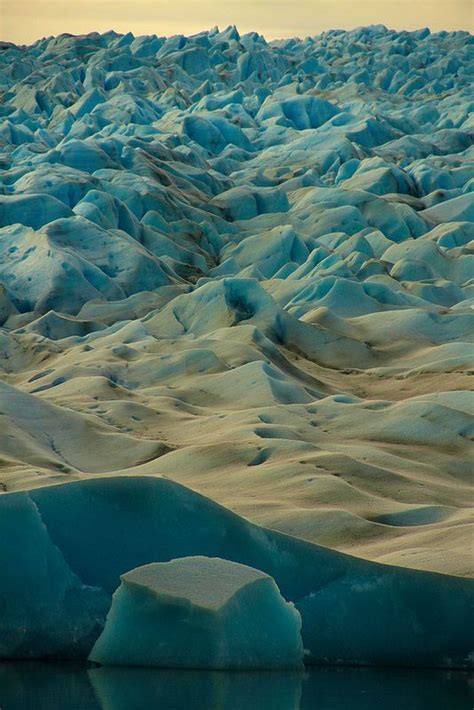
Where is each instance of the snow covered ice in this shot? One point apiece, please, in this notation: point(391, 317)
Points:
point(245, 266)
point(200, 612)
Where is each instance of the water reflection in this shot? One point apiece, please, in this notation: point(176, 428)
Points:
point(51, 686)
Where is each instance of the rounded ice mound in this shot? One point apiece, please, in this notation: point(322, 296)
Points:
point(200, 612)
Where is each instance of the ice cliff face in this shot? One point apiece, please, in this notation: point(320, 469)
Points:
point(77, 539)
point(248, 266)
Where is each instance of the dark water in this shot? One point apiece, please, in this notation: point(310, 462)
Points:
point(50, 686)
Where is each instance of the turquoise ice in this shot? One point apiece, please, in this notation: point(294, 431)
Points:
point(200, 612)
point(352, 611)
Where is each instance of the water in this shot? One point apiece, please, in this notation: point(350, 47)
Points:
point(54, 686)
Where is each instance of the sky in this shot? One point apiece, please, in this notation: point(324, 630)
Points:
point(24, 21)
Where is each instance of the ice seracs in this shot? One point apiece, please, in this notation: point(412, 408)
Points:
point(200, 612)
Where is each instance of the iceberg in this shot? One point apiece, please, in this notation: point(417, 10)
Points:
point(200, 612)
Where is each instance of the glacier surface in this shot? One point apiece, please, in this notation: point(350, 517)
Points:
point(219, 252)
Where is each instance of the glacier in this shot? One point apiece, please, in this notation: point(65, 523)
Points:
point(237, 321)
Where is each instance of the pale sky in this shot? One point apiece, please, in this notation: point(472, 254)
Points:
point(24, 21)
